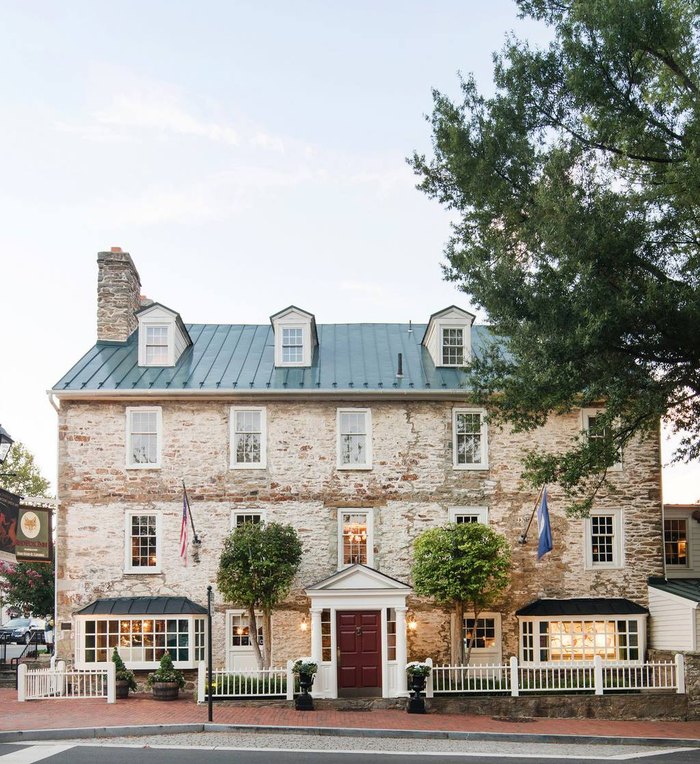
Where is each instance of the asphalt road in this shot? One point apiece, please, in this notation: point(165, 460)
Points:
point(68, 753)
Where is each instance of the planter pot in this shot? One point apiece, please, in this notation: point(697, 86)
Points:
point(304, 701)
point(122, 688)
point(416, 704)
point(165, 690)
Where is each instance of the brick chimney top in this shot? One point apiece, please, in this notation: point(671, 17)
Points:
point(116, 249)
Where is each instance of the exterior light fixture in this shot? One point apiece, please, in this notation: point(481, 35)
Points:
point(304, 625)
point(412, 624)
point(5, 444)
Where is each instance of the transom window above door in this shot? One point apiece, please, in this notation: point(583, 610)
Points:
point(355, 537)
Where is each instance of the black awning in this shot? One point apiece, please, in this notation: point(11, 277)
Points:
point(143, 606)
point(582, 606)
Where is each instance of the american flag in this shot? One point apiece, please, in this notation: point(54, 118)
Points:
point(185, 523)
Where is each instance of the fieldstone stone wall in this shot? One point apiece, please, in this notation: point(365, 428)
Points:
point(410, 488)
point(118, 295)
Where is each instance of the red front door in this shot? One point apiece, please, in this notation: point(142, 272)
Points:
point(359, 659)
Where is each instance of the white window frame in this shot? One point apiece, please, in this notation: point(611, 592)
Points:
point(536, 647)
point(684, 520)
point(484, 464)
point(136, 569)
point(367, 464)
point(477, 651)
point(586, 416)
point(293, 327)
point(441, 349)
point(262, 464)
point(236, 513)
point(618, 560)
point(130, 410)
point(369, 514)
point(80, 639)
point(144, 325)
point(480, 513)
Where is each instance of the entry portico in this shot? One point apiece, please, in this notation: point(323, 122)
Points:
point(358, 633)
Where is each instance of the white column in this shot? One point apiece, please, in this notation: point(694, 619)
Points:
point(317, 649)
point(111, 682)
point(401, 651)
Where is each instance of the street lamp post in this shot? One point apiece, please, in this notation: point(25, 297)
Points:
point(5, 444)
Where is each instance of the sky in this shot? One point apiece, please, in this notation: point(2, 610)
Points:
point(248, 155)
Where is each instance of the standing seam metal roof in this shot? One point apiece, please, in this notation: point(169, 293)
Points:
point(241, 357)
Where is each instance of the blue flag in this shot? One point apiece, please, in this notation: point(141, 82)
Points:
point(543, 527)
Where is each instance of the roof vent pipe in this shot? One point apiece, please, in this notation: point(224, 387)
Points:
point(399, 373)
point(410, 326)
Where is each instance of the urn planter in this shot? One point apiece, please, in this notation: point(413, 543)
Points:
point(122, 688)
point(416, 703)
point(304, 701)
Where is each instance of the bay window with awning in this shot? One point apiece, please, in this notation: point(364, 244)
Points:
point(142, 629)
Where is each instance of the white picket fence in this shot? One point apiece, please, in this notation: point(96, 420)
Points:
point(596, 676)
point(61, 682)
point(263, 683)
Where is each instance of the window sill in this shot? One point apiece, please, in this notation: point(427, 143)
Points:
point(143, 466)
point(142, 571)
point(605, 566)
point(248, 466)
point(471, 467)
point(354, 467)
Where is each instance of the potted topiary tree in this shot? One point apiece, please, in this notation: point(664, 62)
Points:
point(125, 677)
point(166, 681)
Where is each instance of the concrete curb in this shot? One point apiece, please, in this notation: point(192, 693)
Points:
point(173, 729)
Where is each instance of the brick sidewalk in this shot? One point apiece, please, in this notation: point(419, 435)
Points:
point(55, 714)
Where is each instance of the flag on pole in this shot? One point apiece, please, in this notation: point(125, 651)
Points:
point(184, 524)
point(543, 527)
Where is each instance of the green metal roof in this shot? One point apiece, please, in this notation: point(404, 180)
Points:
point(688, 588)
point(241, 357)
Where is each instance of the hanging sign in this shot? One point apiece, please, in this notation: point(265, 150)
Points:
point(34, 539)
point(9, 510)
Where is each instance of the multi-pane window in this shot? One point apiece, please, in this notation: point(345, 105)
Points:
point(157, 345)
point(391, 634)
point(326, 641)
point(469, 439)
point(143, 427)
point(240, 630)
point(143, 552)
point(580, 640)
point(461, 515)
point(248, 436)
point(245, 518)
point(482, 631)
point(292, 344)
point(144, 640)
point(597, 431)
point(452, 346)
point(354, 439)
point(676, 541)
point(602, 539)
point(355, 538)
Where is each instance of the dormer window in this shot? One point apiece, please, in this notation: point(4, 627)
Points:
point(452, 346)
point(163, 337)
point(292, 344)
point(448, 337)
point(295, 337)
point(157, 345)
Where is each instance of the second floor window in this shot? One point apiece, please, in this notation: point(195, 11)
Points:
point(676, 541)
point(143, 542)
point(143, 433)
point(469, 439)
point(604, 542)
point(248, 438)
point(354, 439)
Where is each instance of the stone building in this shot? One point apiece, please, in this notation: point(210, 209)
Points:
point(359, 435)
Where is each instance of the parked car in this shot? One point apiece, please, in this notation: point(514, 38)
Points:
point(22, 630)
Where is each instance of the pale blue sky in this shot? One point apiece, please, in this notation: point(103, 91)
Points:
point(248, 155)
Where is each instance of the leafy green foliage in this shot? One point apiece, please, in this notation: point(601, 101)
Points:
point(166, 672)
point(577, 186)
point(122, 673)
point(20, 475)
point(466, 566)
point(256, 569)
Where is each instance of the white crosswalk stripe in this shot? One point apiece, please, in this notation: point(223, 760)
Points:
point(33, 753)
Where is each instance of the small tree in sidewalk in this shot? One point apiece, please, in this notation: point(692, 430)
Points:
point(465, 566)
point(256, 569)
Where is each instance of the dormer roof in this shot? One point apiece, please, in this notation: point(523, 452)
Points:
point(296, 337)
point(449, 332)
point(158, 317)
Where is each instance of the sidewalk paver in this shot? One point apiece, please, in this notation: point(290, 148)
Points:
point(69, 714)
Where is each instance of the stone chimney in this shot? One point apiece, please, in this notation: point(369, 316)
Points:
point(118, 293)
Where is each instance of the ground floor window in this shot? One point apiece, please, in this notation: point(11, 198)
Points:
point(141, 642)
point(240, 629)
point(543, 641)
